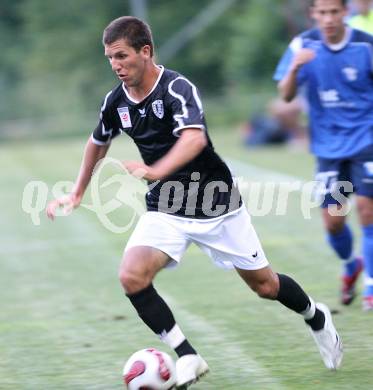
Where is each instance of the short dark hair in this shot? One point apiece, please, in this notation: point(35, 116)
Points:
point(344, 3)
point(136, 32)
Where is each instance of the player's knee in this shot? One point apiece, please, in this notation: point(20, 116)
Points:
point(132, 282)
point(266, 290)
point(334, 226)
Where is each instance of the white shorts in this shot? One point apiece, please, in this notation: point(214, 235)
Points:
point(230, 240)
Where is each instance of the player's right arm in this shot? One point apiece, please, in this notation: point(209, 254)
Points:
point(92, 155)
point(95, 150)
point(288, 86)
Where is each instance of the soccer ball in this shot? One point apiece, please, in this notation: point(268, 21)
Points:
point(149, 369)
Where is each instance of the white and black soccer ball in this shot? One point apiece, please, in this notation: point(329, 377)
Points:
point(149, 369)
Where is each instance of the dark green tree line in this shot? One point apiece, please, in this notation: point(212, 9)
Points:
point(52, 58)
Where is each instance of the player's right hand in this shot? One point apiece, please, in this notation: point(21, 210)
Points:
point(67, 203)
point(302, 57)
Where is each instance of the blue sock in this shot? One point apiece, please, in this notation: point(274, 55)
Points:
point(368, 257)
point(342, 244)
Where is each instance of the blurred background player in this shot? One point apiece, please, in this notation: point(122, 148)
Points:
point(281, 123)
point(363, 15)
point(334, 63)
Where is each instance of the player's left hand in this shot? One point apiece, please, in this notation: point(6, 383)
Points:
point(140, 170)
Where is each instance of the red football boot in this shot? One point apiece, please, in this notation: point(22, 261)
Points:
point(349, 283)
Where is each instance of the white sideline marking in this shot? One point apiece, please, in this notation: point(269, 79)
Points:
point(240, 168)
point(236, 361)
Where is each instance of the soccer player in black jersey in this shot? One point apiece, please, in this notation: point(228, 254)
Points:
point(192, 196)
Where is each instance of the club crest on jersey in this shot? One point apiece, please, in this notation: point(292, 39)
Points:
point(350, 73)
point(124, 116)
point(158, 109)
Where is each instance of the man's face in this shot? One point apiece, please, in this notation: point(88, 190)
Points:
point(329, 16)
point(126, 63)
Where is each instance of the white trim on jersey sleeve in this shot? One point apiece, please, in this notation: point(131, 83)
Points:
point(104, 132)
point(100, 143)
point(176, 132)
point(185, 113)
point(296, 44)
point(105, 101)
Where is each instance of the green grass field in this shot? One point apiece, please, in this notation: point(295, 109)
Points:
point(66, 324)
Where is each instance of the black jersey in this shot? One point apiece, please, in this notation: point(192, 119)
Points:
point(203, 188)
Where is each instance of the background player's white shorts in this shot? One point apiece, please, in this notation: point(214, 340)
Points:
point(229, 240)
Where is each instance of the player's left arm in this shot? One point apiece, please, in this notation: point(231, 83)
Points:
point(189, 145)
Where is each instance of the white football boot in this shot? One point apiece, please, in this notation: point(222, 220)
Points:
point(328, 341)
point(189, 368)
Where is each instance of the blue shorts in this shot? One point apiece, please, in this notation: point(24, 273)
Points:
point(337, 178)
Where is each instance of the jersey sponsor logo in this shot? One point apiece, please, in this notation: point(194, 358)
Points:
point(142, 112)
point(158, 109)
point(330, 99)
point(350, 73)
point(124, 116)
point(328, 96)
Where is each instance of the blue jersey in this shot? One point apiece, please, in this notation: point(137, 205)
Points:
point(339, 90)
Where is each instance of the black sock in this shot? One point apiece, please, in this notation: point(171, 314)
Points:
point(185, 349)
point(156, 314)
point(293, 297)
point(317, 321)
